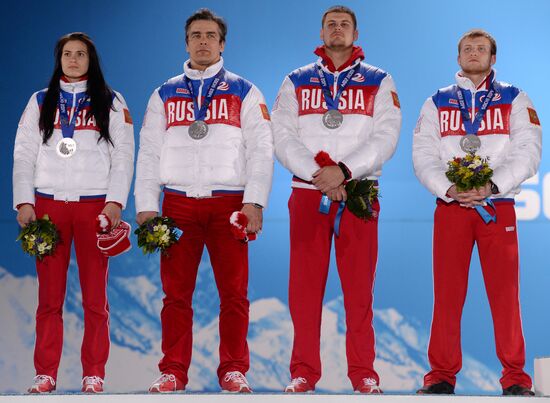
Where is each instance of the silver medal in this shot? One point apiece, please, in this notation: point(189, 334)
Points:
point(198, 130)
point(333, 119)
point(470, 143)
point(66, 147)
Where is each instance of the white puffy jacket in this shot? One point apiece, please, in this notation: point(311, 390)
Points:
point(95, 168)
point(510, 134)
point(368, 135)
point(236, 154)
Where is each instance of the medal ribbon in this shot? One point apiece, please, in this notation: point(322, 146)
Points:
point(324, 208)
point(67, 128)
point(332, 103)
point(485, 215)
point(338, 217)
point(472, 127)
point(200, 114)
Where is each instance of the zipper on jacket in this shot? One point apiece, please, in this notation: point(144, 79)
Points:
point(199, 94)
point(335, 85)
point(198, 143)
point(197, 156)
point(473, 105)
point(74, 103)
point(67, 170)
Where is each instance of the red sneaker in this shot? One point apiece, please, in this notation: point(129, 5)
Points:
point(42, 384)
point(166, 383)
point(92, 384)
point(235, 382)
point(369, 386)
point(299, 385)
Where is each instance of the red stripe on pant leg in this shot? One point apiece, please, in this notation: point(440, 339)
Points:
point(356, 256)
point(178, 271)
point(92, 271)
point(229, 259)
point(52, 283)
point(310, 243)
point(498, 252)
point(453, 242)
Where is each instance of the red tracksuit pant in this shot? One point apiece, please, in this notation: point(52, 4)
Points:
point(74, 220)
point(456, 229)
point(204, 222)
point(311, 234)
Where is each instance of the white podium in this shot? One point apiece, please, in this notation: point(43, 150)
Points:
point(542, 376)
point(263, 398)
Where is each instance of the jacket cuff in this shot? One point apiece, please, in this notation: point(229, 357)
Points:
point(345, 170)
point(441, 188)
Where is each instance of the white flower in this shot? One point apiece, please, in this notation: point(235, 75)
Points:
point(156, 228)
point(475, 163)
point(164, 227)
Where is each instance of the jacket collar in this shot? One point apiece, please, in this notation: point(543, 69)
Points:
point(79, 86)
point(467, 84)
point(356, 56)
point(210, 71)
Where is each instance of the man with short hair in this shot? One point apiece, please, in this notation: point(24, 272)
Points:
point(348, 111)
point(496, 121)
point(206, 138)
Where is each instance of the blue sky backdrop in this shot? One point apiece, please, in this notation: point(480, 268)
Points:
point(142, 43)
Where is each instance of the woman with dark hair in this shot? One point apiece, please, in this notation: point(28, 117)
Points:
point(73, 160)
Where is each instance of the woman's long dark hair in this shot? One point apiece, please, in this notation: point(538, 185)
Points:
point(101, 96)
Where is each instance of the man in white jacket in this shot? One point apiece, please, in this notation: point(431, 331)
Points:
point(349, 110)
point(206, 139)
point(508, 133)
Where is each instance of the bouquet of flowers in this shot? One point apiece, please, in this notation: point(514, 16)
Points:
point(469, 172)
point(157, 234)
point(39, 238)
point(361, 195)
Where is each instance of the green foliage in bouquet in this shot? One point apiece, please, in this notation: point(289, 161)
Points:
point(39, 238)
point(469, 172)
point(361, 195)
point(157, 234)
